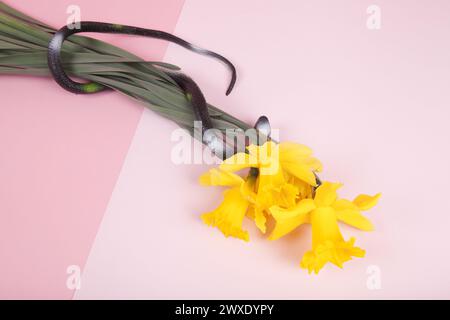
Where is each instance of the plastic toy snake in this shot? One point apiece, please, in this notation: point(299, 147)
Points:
point(189, 87)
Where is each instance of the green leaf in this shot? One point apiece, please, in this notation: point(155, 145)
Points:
point(23, 51)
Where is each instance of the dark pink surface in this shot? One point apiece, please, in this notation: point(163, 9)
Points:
point(61, 154)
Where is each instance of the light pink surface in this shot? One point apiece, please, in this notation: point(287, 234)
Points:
point(374, 105)
point(61, 154)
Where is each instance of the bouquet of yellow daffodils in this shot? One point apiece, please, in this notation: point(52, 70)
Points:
point(281, 184)
point(281, 180)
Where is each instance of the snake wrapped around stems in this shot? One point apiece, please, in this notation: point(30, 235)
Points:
point(190, 88)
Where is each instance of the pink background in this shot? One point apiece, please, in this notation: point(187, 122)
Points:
point(81, 183)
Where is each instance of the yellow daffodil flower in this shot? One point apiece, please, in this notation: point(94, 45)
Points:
point(282, 183)
point(272, 160)
point(324, 212)
point(285, 174)
point(239, 201)
point(228, 217)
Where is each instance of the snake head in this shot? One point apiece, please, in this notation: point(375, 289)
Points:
point(263, 126)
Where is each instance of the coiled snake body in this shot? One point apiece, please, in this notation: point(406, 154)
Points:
point(189, 87)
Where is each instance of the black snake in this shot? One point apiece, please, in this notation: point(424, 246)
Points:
point(189, 87)
point(186, 84)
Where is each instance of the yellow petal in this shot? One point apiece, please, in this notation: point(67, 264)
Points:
point(291, 151)
point(294, 153)
point(326, 194)
point(267, 156)
point(238, 162)
point(248, 189)
point(304, 189)
point(289, 219)
point(228, 217)
point(264, 152)
point(313, 163)
point(349, 213)
point(274, 190)
point(271, 177)
point(286, 195)
point(312, 262)
point(300, 171)
point(328, 245)
point(365, 202)
point(258, 215)
point(324, 226)
point(334, 252)
point(215, 177)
